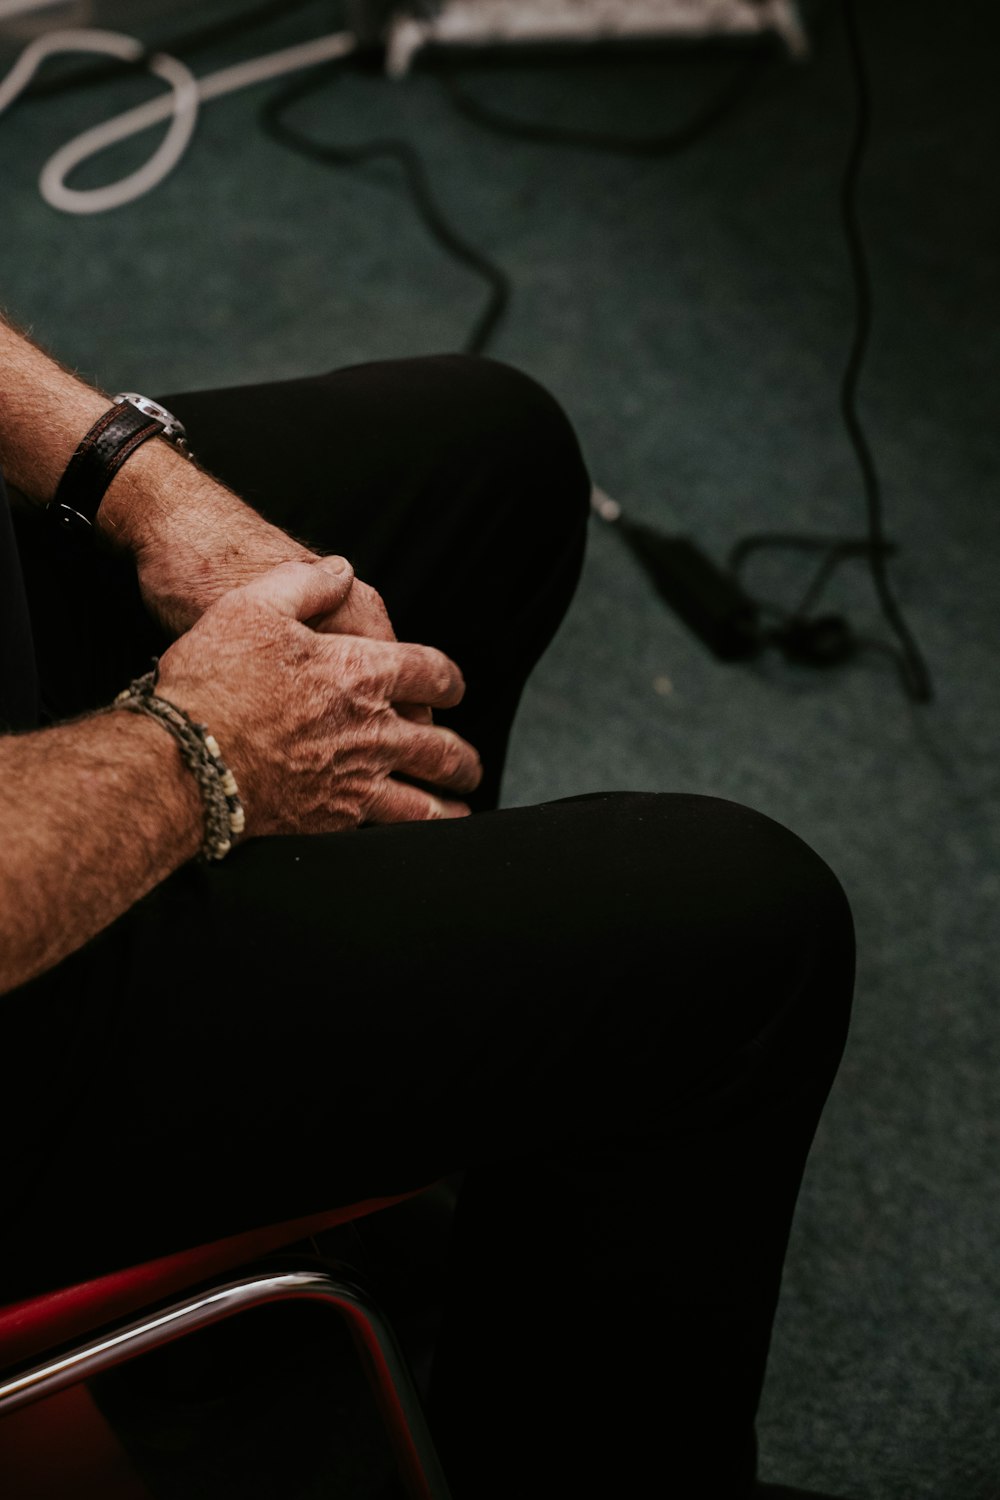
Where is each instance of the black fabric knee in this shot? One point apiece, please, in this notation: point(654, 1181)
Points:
point(618, 1014)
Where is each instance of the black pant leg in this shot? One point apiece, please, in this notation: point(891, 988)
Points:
point(619, 1015)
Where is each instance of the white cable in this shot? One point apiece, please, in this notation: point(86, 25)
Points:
point(187, 92)
point(182, 103)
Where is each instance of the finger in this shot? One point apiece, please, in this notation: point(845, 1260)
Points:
point(425, 675)
point(356, 616)
point(410, 673)
point(395, 802)
point(440, 756)
point(300, 590)
point(418, 713)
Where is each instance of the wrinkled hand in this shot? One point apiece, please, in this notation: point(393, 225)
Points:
point(363, 613)
point(308, 725)
point(179, 579)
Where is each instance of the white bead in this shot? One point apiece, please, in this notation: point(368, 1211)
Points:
point(229, 784)
point(237, 821)
point(212, 743)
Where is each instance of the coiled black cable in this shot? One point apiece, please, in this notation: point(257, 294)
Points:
point(666, 143)
point(273, 122)
point(794, 625)
point(910, 663)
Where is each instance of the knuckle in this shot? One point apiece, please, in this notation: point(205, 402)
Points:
point(354, 663)
point(348, 651)
point(447, 677)
point(452, 754)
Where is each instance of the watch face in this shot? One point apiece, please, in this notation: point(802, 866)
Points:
point(173, 429)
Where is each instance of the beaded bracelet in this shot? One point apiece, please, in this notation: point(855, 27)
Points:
point(200, 752)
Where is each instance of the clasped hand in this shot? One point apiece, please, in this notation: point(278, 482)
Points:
point(307, 713)
point(177, 597)
point(364, 613)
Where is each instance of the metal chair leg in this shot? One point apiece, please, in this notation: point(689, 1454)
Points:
point(383, 1361)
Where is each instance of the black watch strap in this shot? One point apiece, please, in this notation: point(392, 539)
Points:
point(109, 443)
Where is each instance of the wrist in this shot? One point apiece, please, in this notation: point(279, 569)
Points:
point(136, 737)
point(224, 816)
point(137, 502)
point(191, 537)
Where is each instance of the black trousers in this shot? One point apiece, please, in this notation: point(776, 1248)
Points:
point(619, 1014)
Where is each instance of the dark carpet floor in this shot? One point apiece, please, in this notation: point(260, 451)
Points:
point(693, 314)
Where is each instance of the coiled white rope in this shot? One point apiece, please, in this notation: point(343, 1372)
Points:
point(186, 95)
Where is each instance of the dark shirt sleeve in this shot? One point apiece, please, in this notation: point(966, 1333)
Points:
point(18, 673)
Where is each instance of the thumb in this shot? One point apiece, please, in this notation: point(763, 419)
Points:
point(300, 590)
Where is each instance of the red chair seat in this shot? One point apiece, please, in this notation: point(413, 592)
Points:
point(36, 1324)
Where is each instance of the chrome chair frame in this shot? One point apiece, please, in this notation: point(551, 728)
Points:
point(381, 1357)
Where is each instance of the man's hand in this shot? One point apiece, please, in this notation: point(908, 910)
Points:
point(363, 613)
point(304, 723)
point(182, 575)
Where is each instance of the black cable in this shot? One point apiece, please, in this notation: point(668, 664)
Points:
point(837, 548)
point(666, 144)
point(271, 119)
point(913, 670)
point(919, 684)
point(795, 625)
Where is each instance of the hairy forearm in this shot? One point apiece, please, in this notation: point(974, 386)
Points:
point(44, 412)
point(158, 504)
point(93, 814)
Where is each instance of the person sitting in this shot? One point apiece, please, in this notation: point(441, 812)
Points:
point(269, 944)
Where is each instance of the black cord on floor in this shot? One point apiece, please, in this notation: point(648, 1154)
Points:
point(910, 663)
point(272, 121)
point(828, 639)
point(918, 683)
point(663, 144)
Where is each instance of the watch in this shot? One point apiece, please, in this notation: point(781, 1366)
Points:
point(111, 441)
point(173, 429)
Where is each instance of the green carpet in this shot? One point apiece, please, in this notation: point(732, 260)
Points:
point(693, 315)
